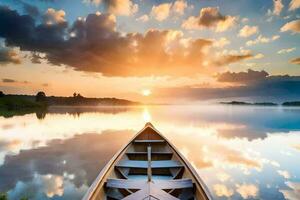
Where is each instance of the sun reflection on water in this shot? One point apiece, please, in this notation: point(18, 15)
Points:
point(146, 115)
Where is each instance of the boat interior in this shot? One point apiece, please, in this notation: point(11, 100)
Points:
point(149, 168)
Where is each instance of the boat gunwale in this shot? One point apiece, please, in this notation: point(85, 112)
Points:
point(99, 179)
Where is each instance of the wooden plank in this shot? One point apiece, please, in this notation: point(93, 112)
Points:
point(160, 194)
point(149, 172)
point(125, 183)
point(152, 153)
point(154, 164)
point(165, 164)
point(149, 141)
point(141, 194)
point(174, 184)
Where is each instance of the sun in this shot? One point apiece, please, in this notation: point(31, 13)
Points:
point(146, 92)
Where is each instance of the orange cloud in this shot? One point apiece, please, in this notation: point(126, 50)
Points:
point(52, 16)
point(294, 4)
point(93, 44)
point(295, 61)
point(121, 7)
point(161, 12)
point(179, 6)
point(247, 31)
point(143, 18)
point(293, 26)
point(284, 174)
point(262, 39)
point(247, 190)
point(9, 55)
point(222, 190)
point(278, 6)
point(294, 193)
point(210, 17)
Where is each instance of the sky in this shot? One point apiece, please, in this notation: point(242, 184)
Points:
point(152, 50)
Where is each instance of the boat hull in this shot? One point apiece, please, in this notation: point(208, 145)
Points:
point(148, 167)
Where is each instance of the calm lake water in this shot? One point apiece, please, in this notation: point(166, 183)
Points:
point(241, 152)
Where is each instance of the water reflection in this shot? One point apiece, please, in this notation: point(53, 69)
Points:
point(240, 152)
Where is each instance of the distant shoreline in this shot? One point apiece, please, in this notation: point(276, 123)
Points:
point(243, 103)
point(41, 101)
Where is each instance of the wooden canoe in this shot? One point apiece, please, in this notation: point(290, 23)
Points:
point(148, 167)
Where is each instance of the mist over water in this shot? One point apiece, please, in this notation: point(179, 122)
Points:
point(241, 152)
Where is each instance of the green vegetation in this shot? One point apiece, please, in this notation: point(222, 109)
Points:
point(3, 196)
point(251, 104)
point(11, 105)
point(292, 103)
point(14, 102)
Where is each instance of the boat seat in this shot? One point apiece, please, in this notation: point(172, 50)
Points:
point(154, 194)
point(153, 153)
point(154, 164)
point(125, 183)
point(174, 184)
point(139, 184)
point(149, 141)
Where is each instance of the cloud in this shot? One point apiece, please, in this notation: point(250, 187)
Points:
point(222, 190)
point(245, 20)
point(94, 2)
point(9, 55)
point(284, 51)
point(231, 58)
point(143, 18)
point(210, 17)
point(53, 185)
point(271, 88)
point(293, 26)
point(9, 145)
point(294, 193)
point(259, 56)
point(7, 80)
point(54, 17)
point(297, 146)
point(223, 176)
point(242, 77)
point(179, 7)
point(294, 4)
point(30, 9)
point(284, 174)
point(221, 42)
point(45, 160)
point(121, 7)
point(261, 39)
point(295, 61)
point(161, 12)
point(247, 190)
point(247, 31)
point(93, 44)
point(278, 6)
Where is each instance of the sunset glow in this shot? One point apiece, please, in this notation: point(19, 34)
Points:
point(219, 79)
point(184, 50)
point(146, 92)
